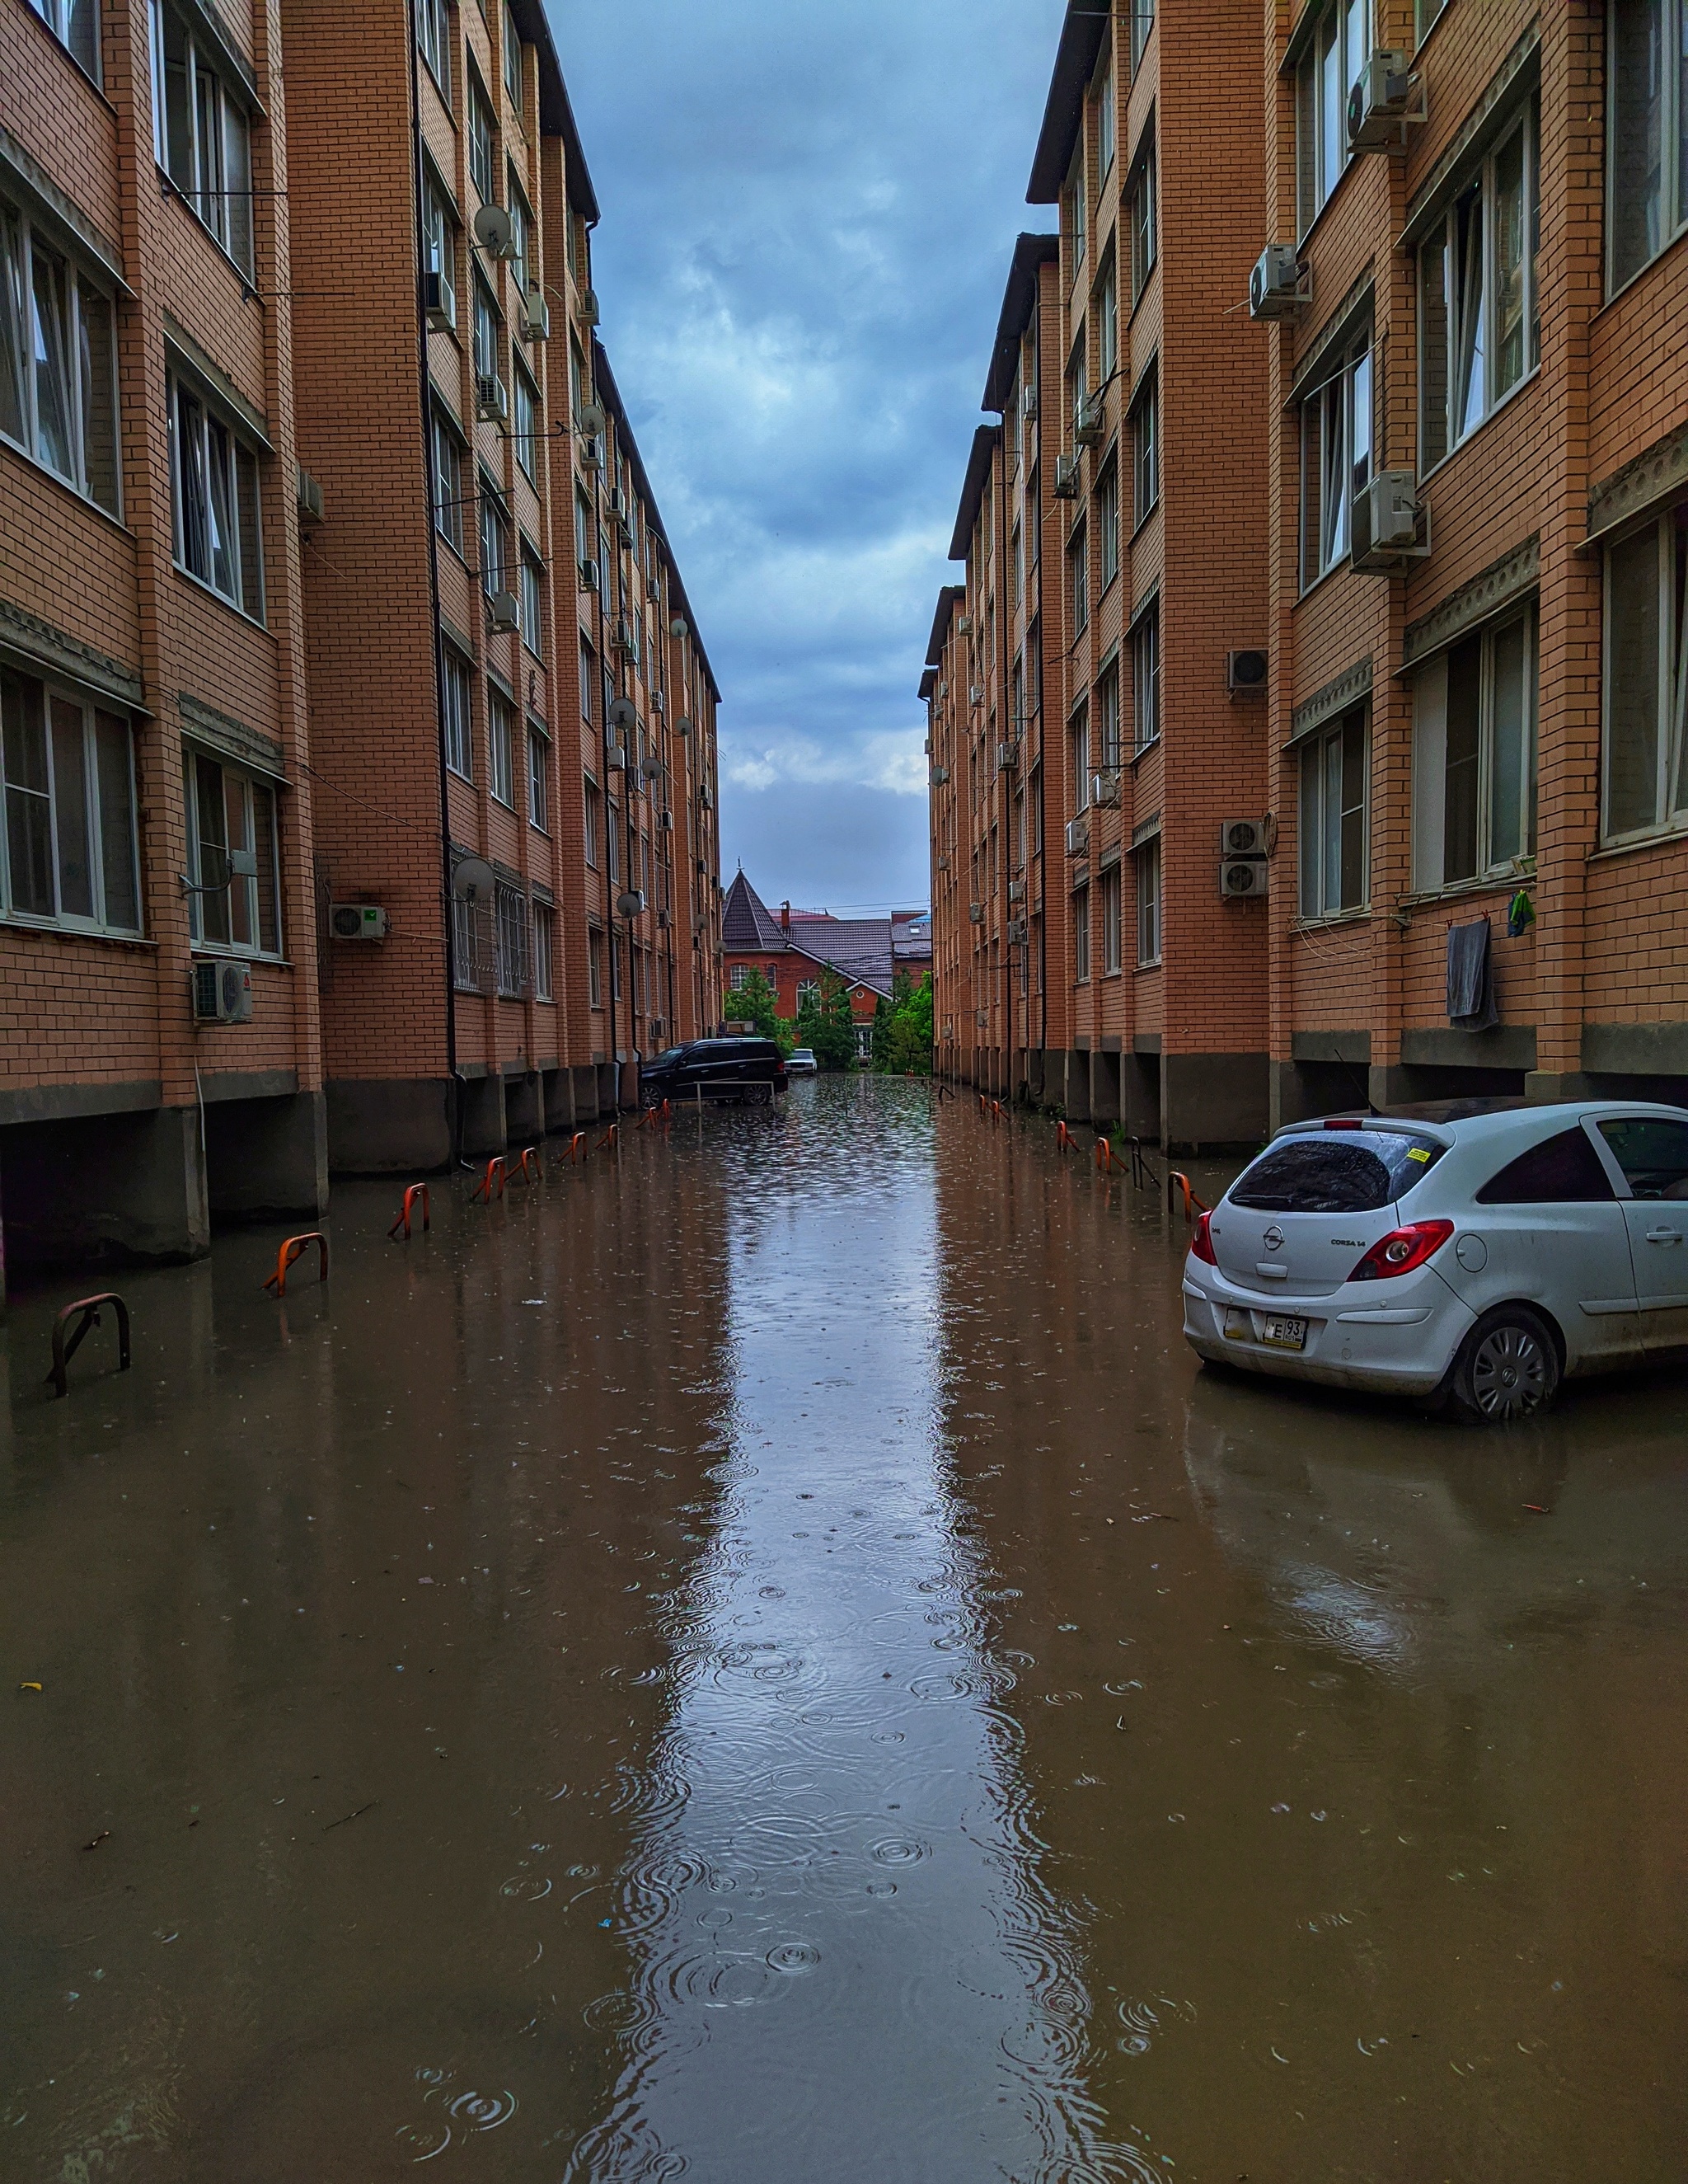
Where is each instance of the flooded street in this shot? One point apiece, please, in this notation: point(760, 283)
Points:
point(768, 1660)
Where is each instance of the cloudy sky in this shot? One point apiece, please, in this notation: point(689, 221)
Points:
point(809, 208)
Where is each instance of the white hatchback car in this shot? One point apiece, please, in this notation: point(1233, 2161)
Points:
point(1471, 1252)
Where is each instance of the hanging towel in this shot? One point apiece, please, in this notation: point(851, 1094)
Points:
point(1520, 913)
point(1470, 977)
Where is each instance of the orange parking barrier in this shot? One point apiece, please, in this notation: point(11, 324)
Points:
point(525, 1168)
point(402, 1223)
point(1107, 1159)
point(995, 1111)
point(90, 1308)
point(610, 1142)
point(495, 1173)
point(577, 1146)
point(1065, 1142)
point(294, 1249)
point(1192, 1204)
point(983, 1105)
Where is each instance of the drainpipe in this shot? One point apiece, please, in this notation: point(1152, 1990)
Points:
point(433, 580)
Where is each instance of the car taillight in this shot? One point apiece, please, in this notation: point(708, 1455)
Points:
point(1202, 1243)
point(1402, 1251)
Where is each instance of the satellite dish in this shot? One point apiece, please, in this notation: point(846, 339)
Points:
point(624, 713)
point(680, 627)
point(493, 231)
point(473, 880)
point(592, 421)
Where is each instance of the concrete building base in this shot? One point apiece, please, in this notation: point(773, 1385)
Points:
point(267, 1159)
point(1104, 1089)
point(1075, 1086)
point(557, 1090)
point(1210, 1102)
point(524, 1109)
point(481, 1106)
point(585, 1095)
point(111, 1191)
point(388, 1125)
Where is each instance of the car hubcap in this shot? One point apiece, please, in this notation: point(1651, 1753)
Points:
point(1509, 1372)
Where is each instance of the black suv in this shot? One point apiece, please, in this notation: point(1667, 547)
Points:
point(743, 1069)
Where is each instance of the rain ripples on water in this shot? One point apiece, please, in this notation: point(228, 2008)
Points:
point(873, 1711)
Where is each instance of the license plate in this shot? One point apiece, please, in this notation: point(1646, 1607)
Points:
point(1281, 1334)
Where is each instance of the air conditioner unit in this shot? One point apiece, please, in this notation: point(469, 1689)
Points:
point(589, 307)
point(357, 921)
point(309, 491)
point(1276, 289)
point(619, 507)
point(975, 913)
point(492, 398)
point(1377, 103)
point(536, 314)
point(706, 797)
point(1385, 523)
point(1078, 835)
point(663, 921)
point(1018, 928)
point(437, 304)
point(589, 574)
point(591, 450)
point(666, 822)
point(963, 625)
point(221, 993)
point(1016, 890)
point(627, 637)
point(1244, 876)
point(1104, 789)
point(943, 689)
point(943, 860)
point(1029, 404)
point(630, 902)
point(940, 776)
point(975, 695)
point(1090, 426)
point(1246, 673)
point(615, 758)
point(1008, 757)
point(659, 1025)
point(1066, 485)
point(504, 613)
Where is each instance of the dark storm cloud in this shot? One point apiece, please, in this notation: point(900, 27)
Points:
point(807, 215)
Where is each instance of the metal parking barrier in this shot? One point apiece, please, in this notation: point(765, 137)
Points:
point(64, 1347)
point(293, 1250)
point(401, 1227)
point(495, 1174)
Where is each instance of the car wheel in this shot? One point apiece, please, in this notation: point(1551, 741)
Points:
point(1508, 1367)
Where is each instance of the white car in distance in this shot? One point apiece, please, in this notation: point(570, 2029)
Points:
point(801, 1062)
point(1472, 1253)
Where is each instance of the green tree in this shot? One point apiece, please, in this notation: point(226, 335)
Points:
point(754, 1003)
point(902, 1029)
point(827, 1023)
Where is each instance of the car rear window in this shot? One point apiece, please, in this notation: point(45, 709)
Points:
point(1561, 1171)
point(1336, 1172)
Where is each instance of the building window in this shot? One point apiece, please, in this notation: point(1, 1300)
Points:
point(68, 848)
point(1107, 309)
point(595, 970)
point(494, 539)
point(231, 822)
point(1426, 14)
point(808, 994)
point(1107, 720)
point(1145, 867)
point(1108, 524)
point(1146, 678)
point(1111, 961)
point(544, 925)
point(611, 841)
point(588, 676)
point(594, 821)
point(434, 36)
point(1076, 207)
point(1078, 558)
point(513, 58)
point(1145, 448)
point(57, 363)
point(1646, 678)
point(739, 977)
point(501, 749)
point(1647, 158)
point(530, 599)
point(214, 501)
point(1333, 817)
point(486, 342)
point(521, 237)
point(1473, 756)
point(1338, 49)
point(526, 419)
point(1337, 448)
point(1017, 564)
point(440, 250)
point(1478, 331)
point(454, 686)
point(447, 480)
point(1142, 22)
point(201, 134)
point(1107, 124)
point(1078, 746)
point(76, 24)
point(1140, 213)
point(1081, 936)
point(539, 781)
point(515, 972)
point(483, 164)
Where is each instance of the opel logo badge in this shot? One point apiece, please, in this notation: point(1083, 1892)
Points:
point(1273, 1238)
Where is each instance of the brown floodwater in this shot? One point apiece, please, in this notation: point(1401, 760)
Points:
point(770, 1660)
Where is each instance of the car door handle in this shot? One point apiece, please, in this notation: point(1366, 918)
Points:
point(1664, 1235)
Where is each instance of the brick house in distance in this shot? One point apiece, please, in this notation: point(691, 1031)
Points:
point(794, 949)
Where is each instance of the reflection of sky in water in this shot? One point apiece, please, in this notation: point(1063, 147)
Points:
point(845, 1962)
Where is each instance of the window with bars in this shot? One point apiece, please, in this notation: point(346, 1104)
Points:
point(1645, 738)
point(514, 966)
point(1336, 457)
point(202, 134)
point(1333, 816)
point(230, 812)
point(1474, 755)
point(58, 362)
point(455, 687)
point(68, 848)
point(215, 500)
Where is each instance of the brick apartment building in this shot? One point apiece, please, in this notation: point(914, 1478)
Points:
point(1452, 462)
point(245, 680)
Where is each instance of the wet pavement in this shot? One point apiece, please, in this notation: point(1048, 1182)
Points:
point(770, 1660)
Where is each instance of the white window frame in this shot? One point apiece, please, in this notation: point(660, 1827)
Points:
point(1142, 22)
point(34, 790)
point(1106, 305)
point(1141, 218)
point(1491, 857)
point(434, 41)
point(500, 752)
point(1340, 44)
point(206, 443)
point(1148, 890)
point(544, 951)
point(539, 779)
point(1144, 423)
point(525, 416)
point(594, 968)
point(1081, 935)
point(493, 536)
point(203, 139)
point(487, 335)
point(1078, 558)
point(76, 26)
point(1338, 427)
point(1469, 373)
point(511, 58)
point(592, 823)
point(1113, 960)
point(1146, 679)
point(457, 697)
point(1323, 892)
point(739, 977)
point(1106, 510)
point(1106, 705)
point(1668, 534)
point(1079, 754)
point(439, 239)
point(511, 946)
point(80, 384)
point(248, 892)
point(1670, 21)
point(1106, 127)
point(483, 138)
point(531, 598)
point(448, 452)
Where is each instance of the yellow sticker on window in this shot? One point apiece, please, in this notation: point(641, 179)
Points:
point(1416, 1152)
